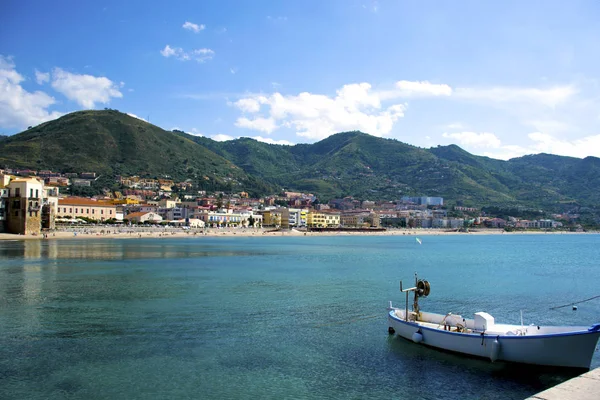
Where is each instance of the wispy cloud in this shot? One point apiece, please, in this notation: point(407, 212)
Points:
point(199, 55)
point(278, 19)
point(135, 116)
point(42, 77)
point(190, 26)
point(273, 141)
point(266, 125)
point(474, 139)
point(550, 97)
point(221, 137)
point(359, 106)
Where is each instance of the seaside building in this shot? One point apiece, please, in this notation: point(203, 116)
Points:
point(316, 219)
point(223, 218)
point(142, 217)
point(297, 217)
point(24, 201)
point(273, 218)
point(359, 219)
point(3, 201)
point(74, 207)
point(174, 213)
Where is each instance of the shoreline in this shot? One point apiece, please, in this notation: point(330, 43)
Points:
point(133, 233)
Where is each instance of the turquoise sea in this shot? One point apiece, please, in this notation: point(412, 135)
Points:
point(275, 317)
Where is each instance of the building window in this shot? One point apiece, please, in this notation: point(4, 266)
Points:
point(88, 211)
point(37, 193)
point(102, 212)
point(70, 210)
point(93, 211)
point(30, 192)
point(17, 192)
point(76, 210)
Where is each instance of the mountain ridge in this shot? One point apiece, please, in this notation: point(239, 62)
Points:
point(344, 164)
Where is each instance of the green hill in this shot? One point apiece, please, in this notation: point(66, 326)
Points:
point(113, 143)
point(345, 164)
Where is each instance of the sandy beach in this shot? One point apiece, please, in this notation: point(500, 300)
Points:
point(145, 232)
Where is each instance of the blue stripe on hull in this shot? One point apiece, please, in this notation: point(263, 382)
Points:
point(571, 349)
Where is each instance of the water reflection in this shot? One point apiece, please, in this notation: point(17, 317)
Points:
point(118, 249)
point(428, 364)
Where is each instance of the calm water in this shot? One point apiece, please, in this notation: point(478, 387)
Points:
point(274, 318)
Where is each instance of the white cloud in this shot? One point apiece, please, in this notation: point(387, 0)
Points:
point(135, 116)
point(316, 116)
point(251, 105)
point(168, 51)
point(266, 125)
point(549, 126)
point(193, 27)
point(550, 97)
point(18, 107)
point(221, 137)
point(455, 125)
point(200, 55)
point(42, 77)
point(538, 143)
point(86, 90)
point(272, 141)
point(583, 147)
point(423, 88)
point(475, 140)
point(507, 152)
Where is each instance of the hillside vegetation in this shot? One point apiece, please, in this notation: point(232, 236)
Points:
point(346, 164)
point(113, 143)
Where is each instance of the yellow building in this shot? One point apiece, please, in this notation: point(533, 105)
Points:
point(271, 218)
point(75, 207)
point(316, 219)
point(125, 201)
point(24, 201)
point(360, 219)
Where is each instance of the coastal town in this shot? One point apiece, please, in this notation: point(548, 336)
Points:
point(36, 202)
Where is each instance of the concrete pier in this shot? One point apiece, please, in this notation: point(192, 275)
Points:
point(583, 387)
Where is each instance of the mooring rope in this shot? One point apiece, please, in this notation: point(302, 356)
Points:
point(577, 302)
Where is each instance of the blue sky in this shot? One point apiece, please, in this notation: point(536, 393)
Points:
point(501, 79)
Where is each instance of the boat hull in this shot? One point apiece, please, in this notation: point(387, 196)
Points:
point(567, 349)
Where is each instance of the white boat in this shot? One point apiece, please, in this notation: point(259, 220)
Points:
point(481, 336)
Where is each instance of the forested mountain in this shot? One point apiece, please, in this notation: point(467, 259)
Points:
point(346, 164)
point(112, 143)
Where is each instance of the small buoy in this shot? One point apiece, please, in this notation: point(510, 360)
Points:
point(574, 308)
point(391, 330)
point(495, 350)
point(417, 337)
